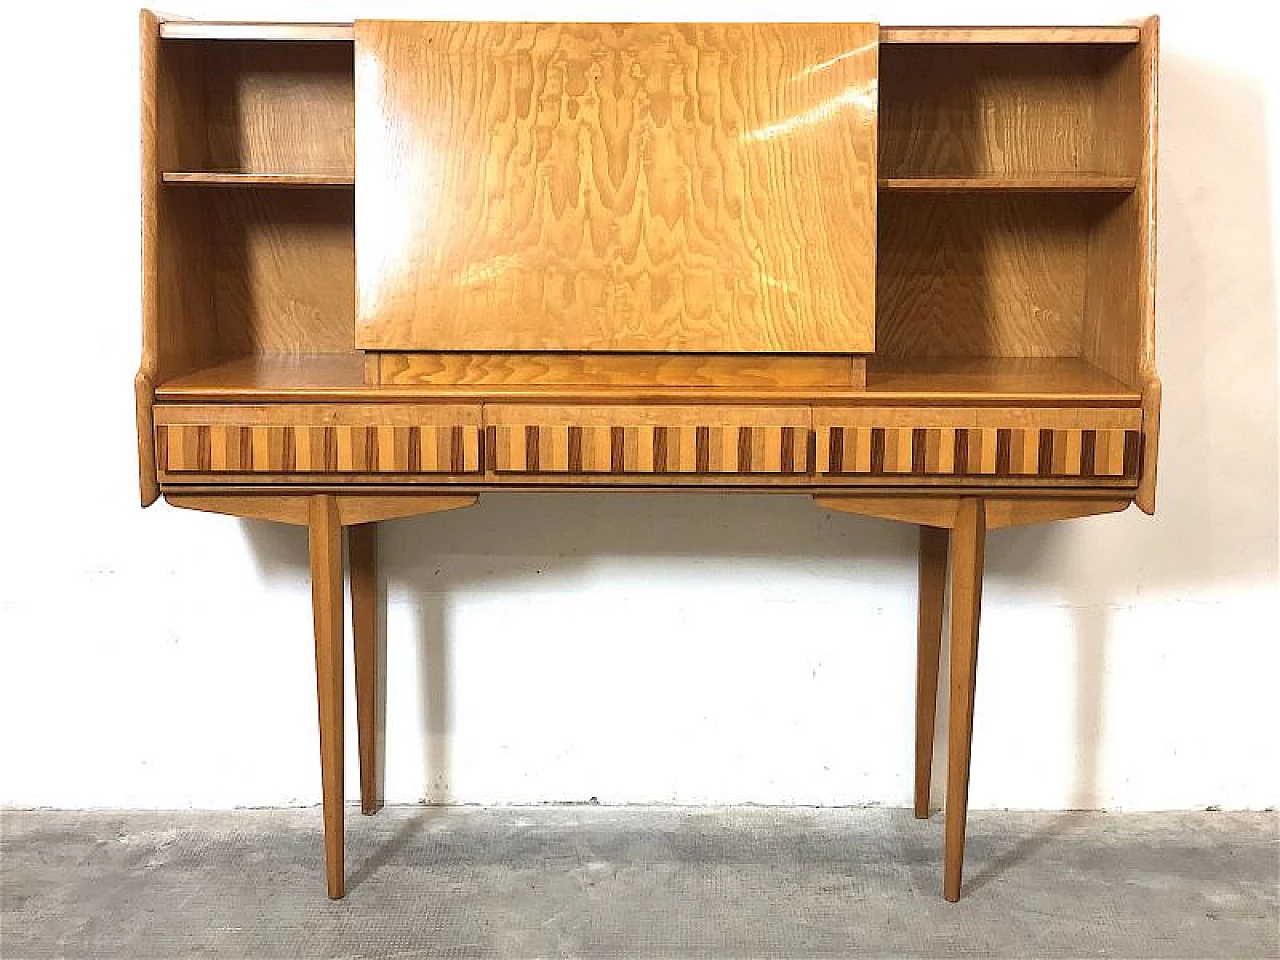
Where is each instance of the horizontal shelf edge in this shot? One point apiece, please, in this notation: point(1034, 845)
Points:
point(1009, 34)
point(229, 30)
point(1080, 183)
point(226, 178)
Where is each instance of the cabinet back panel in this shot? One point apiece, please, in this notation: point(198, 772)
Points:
point(1004, 110)
point(278, 107)
point(993, 275)
point(284, 270)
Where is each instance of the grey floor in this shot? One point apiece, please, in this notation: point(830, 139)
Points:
point(637, 882)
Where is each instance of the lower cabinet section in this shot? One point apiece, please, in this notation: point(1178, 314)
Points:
point(306, 439)
point(648, 440)
point(993, 442)
point(796, 445)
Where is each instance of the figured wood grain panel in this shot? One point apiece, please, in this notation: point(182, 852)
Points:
point(956, 110)
point(982, 275)
point(284, 269)
point(625, 187)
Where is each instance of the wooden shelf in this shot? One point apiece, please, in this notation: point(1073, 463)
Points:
point(236, 178)
point(1113, 34)
point(228, 30)
point(1058, 183)
point(319, 377)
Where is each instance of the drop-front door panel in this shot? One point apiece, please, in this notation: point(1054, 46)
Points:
point(616, 187)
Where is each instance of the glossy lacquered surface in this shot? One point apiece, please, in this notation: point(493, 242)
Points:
point(653, 187)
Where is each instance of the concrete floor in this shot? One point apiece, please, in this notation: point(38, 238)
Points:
point(637, 883)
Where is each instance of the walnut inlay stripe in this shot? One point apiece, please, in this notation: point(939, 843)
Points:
point(978, 451)
point(684, 448)
point(300, 448)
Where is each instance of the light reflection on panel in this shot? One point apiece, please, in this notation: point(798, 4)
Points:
point(688, 187)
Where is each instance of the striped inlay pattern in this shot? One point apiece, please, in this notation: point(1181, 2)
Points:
point(604, 448)
point(978, 451)
point(302, 448)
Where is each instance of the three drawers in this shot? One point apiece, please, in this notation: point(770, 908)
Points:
point(677, 440)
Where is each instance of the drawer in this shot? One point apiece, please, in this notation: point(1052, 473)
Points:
point(1014, 442)
point(663, 439)
point(315, 439)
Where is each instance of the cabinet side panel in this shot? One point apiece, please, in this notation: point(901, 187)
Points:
point(616, 187)
point(144, 382)
point(1119, 326)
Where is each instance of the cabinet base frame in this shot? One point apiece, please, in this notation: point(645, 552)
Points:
point(951, 527)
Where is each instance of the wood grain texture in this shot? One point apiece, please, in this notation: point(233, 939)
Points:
point(277, 107)
point(1031, 510)
point(293, 508)
point(294, 448)
point(955, 110)
point(1061, 183)
point(145, 380)
point(924, 511)
point(178, 324)
point(1119, 318)
point(1032, 382)
point(647, 440)
point(968, 544)
point(233, 178)
point(1009, 34)
point(1150, 378)
point(325, 544)
point(934, 544)
point(992, 275)
point(995, 380)
point(247, 30)
point(996, 442)
point(615, 369)
point(368, 659)
point(672, 187)
point(283, 269)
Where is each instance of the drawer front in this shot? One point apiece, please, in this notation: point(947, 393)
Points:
point(318, 440)
point(648, 440)
point(1089, 443)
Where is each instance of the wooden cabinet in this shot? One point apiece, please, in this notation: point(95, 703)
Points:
point(392, 265)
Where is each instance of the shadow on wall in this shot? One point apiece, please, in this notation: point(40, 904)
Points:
point(1217, 521)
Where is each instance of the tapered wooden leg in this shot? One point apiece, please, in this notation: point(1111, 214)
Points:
point(362, 546)
point(933, 590)
point(325, 535)
point(967, 545)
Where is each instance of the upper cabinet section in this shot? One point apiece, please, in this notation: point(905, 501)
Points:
point(616, 187)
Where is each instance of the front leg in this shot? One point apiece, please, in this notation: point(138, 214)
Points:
point(968, 539)
point(324, 531)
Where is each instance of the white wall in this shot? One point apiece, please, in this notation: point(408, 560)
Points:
point(665, 648)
